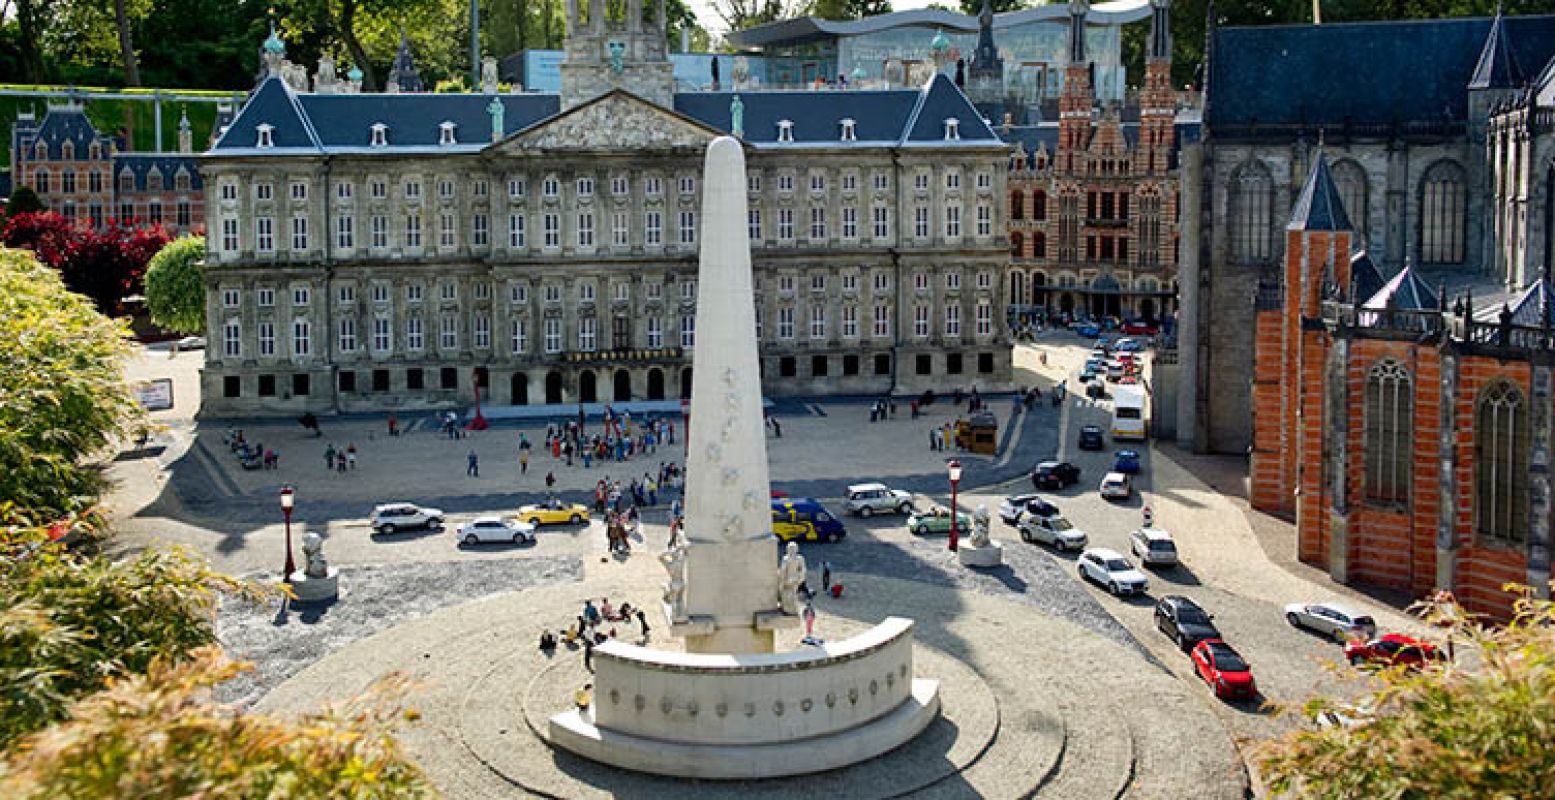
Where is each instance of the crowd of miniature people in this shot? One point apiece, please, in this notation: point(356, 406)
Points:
point(594, 626)
point(251, 456)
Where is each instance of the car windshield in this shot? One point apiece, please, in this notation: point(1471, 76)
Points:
point(1363, 621)
point(1192, 616)
point(1163, 546)
point(1227, 660)
point(1117, 565)
point(1059, 524)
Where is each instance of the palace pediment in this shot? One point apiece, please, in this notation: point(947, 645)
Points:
point(614, 122)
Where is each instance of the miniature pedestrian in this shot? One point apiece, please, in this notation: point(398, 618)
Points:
point(329, 456)
point(473, 468)
point(394, 425)
point(777, 428)
point(351, 456)
point(340, 461)
point(653, 490)
point(588, 656)
point(550, 481)
point(642, 619)
point(590, 612)
point(825, 576)
point(523, 462)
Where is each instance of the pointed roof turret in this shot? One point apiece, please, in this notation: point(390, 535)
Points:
point(1319, 207)
point(1407, 291)
point(273, 43)
point(1497, 67)
point(986, 58)
point(1077, 11)
point(402, 73)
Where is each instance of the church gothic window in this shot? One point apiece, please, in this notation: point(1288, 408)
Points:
point(1443, 214)
point(1389, 433)
point(1350, 180)
point(1039, 205)
point(1501, 465)
point(1251, 214)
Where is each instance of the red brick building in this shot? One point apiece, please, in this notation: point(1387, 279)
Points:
point(1410, 439)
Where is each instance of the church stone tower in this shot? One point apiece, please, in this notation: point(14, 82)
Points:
point(616, 49)
point(986, 77)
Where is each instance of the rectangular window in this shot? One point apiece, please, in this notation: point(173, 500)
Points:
point(817, 182)
point(817, 322)
point(882, 281)
point(448, 332)
point(688, 330)
point(383, 335)
point(586, 228)
point(688, 227)
point(586, 334)
point(518, 335)
point(299, 190)
point(952, 363)
point(449, 377)
point(516, 231)
point(415, 379)
point(984, 219)
point(231, 298)
point(518, 294)
point(481, 327)
point(262, 191)
point(620, 231)
point(346, 294)
point(264, 234)
point(984, 318)
point(849, 222)
point(553, 335)
point(850, 282)
point(920, 321)
point(377, 189)
point(953, 281)
point(652, 186)
point(412, 189)
point(688, 184)
point(447, 227)
point(785, 224)
point(479, 230)
point(229, 235)
point(413, 230)
point(345, 232)
point(232, 386)
point(448, 290)
point(785, 323)
point(267, 338)
point(953, 221)
point(882, 181)
point(380, 380)
point(920, 280)
point(654, 289)
point(952, 180)
point(920, 222)
point(300, 295)
point(850, 322)
point(264, 297)
point(347, 380)
point(415, 336)
point(379, 292)
point(302, 339)
point(413, 293)
point(753, 183)
point(688, 290)
point(516, 187)
point(655, 332)
point(586, 292)
point(379, 225)
point(817, 222)
point(850, 364)
point(347, 334)
point(232, 339)
point(445, 188)
point(882, 223)
point(882, 364)
point(653, 228)
point(952, 320)
point(849, 182)
point(267, 386)
point(818, 282)
point(553, 230)
point(300, 384)
point(585, 186)
point(344, 190)
point(882, 329)
point(553, 293)
point(299, 233)
point(753, 219)
point(229, 191)
point(619, 186)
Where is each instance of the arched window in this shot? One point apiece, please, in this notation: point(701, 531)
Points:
point(1350, 180)
point(1017, 245)
point(1443, 214)
point(1501, 465)
point(1250, 213)
point(1388, 445)
point(1039, 205)
point(1017, 204)
point(1039, 245)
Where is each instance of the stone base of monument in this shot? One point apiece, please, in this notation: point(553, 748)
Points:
point(313, 590)
point(698, 715)
point(990, 556)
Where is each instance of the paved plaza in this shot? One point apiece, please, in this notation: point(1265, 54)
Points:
point(1052, 687)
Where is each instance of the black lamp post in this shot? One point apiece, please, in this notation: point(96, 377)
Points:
point(954, 466)
point(288, 498)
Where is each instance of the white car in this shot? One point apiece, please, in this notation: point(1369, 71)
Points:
point(494, 529)
point(1015, 506)
point(1116, 486)
point(1054, 530)
point(1110, 569)
point(391, 517)
point(1331, 619)
point(1153, 547)
point(865, 499)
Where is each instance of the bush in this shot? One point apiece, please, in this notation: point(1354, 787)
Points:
point(161, 735)
point(62, 392)
point(1450, 732)
point(175, 286)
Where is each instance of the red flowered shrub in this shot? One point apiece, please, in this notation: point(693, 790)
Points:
point(106, 265)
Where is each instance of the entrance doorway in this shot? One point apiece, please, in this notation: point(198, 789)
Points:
point(685, 383)
point(623, 388)
point(587, 391)
point(655, 384)
point(1147, 309)
point(553, 387)
point(518, 389)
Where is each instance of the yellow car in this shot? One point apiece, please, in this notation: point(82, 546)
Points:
point(553, 512)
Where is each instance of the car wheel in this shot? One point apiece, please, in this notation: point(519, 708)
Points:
point(1357, 660)
point(834, 538)
point(921, 530)
point(1025, 537)
point(1182, 642)
point(1113, 588)
point(866, 512)
point(1295, 621)
point(518, 538)
point(576, 519)
point(534, 520)
point(386, 529)
point(471, 539)
point(904, 509)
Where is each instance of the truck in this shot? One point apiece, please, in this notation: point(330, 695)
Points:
point(1128, 413)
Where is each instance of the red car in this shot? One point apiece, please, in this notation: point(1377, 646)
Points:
point(1139, 327)
point(1391, 650)
point(1224, 670)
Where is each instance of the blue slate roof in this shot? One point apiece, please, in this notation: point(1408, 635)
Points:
point(1367, 73)
point(1407, 291)
point(66, 123)
point(1319, 207)
point(1365, 275)
point(1497, 67)
point(141, 166)
point(1526, 306)
point(343, 121)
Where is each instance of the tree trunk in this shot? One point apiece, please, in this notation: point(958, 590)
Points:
point(126, 45)
point(29, 20)
point(354, 45)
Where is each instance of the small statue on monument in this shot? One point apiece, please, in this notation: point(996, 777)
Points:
point(737, 117)
point(674, 561)
point(488, 75)
point(980, 527)
point(313, 551)
point(791, 575)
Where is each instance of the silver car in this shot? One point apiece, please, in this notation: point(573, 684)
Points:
point(1055, 531)
point(865, 499)
point(494, 529)
point(391, 517)
point(1342, 623)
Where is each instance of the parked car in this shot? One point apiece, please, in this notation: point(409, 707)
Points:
point(1224, 669)
point(1126, 462)
point(1139, 327)
point(1184, 622)
point(1153, 547)
point(1110, 569)
point(1104, 343)
point(1097, 362)
point(1090, 437)
point(494, 529)
point(937, 520)
point(1055, 474)
point(865, 499)
point(1116, 486)
point(1331, 619)
point(805, 519)
point(391, 517)
point(191, 343)
point(1087, 329)
point(1054, 530)
point(1114, 370)
point(1391, 650)
point(1129, 345)
point(1014, 506)
point(553, 512)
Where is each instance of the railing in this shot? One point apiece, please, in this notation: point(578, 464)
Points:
point(627, 356)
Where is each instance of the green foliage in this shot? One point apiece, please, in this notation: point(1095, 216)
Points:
point(1482, 727)
point(975, 7)
point(161, 735)
point(72, 623)
point(62, 394)
point(23, 200)
point(175, 286)
point(849, 9)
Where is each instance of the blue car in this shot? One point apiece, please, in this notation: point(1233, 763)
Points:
point(1126, 461)
point(1104, 342)
point(1088, 330)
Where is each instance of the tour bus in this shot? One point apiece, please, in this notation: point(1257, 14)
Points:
point(1128, 413)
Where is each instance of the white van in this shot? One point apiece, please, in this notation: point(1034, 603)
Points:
point(1128, 412)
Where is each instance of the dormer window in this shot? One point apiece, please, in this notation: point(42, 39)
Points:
point(41, 152)
point(445, 133)
point(67, 151)
point(849, 130)
point(96, 150)
point(265, 139)
point(952, 130)
point(785, 130)
point(380, 135)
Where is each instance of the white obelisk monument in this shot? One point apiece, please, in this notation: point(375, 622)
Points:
point(731, 576)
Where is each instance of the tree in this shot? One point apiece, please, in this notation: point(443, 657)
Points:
point(121, 16)
point(975, 7)
point(1449, 732)
point(175, 286)
point(105, 265)
point(742, 14)
point(62, 392)
point(23, 200)
point(162, 735)
point(849, 9)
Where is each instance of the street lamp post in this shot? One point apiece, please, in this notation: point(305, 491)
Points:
point(954, 466)
point(288, 498)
